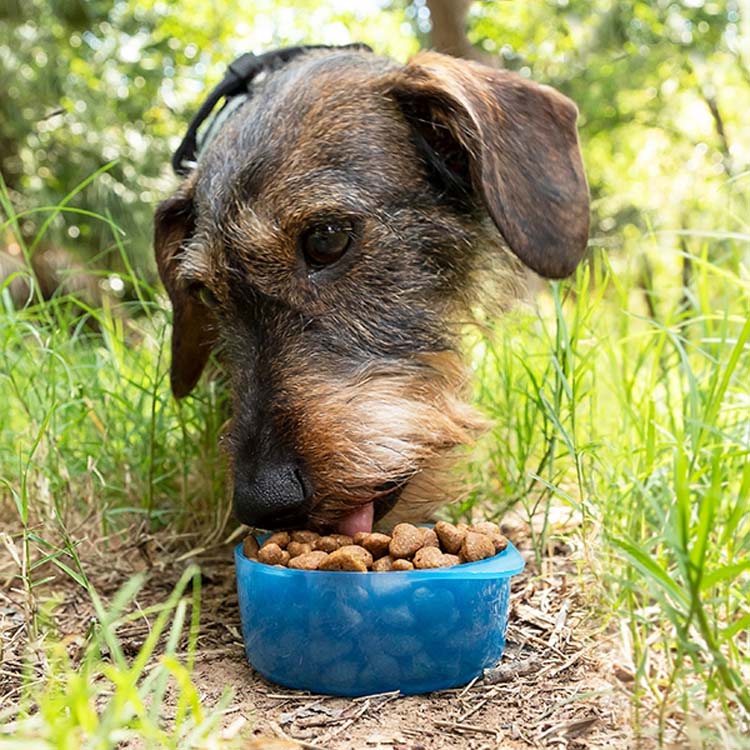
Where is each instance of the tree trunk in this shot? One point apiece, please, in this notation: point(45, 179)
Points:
point(448, 19)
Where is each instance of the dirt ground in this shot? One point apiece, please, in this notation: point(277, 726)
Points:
point(562, 682)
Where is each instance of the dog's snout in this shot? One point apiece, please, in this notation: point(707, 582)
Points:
point(272, 497)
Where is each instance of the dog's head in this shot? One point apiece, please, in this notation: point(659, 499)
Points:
point(329, 244)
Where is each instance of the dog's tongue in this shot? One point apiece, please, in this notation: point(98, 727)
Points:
point(360, 520)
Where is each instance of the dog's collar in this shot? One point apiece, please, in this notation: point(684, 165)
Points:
point(235, 89)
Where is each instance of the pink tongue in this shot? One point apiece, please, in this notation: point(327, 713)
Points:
point(360, 520)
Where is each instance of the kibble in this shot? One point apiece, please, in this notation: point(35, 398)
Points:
point(402, 565)
point(356, 551)
point(281, 538)
point(450, 536)
point(250, 547)
point(308, 560)
point(376, 544)
point(406, 540)
point(429, 557)
point(383, 564)
point(429, 538)
point(345, 558)
point(492, 530)
point(409, 547)
point(272, 554)
point(295, 549)
point(332, 542)
point(305, 537)
point(476, 547)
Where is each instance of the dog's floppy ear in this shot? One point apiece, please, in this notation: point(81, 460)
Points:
point(515, 142)
point(192, 324)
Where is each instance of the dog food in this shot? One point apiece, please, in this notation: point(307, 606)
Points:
point(408, 547)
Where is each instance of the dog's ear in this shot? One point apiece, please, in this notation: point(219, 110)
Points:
point(193, 334)
point(513, 143)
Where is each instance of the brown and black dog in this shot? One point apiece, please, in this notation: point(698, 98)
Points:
point(331, 242)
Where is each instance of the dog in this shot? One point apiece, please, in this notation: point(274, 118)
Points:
point(340, 226)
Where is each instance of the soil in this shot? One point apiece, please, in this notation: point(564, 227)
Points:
point(561, 683)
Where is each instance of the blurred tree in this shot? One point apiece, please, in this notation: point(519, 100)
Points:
point(663, 92)
point(448, 20)
point(88, 82)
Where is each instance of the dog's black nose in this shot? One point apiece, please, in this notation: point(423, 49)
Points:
point(274, 496)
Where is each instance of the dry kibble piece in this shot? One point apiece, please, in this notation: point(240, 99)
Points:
point(343, 559)
point(429, 557)
point(332, 542)
point(476, 547)
point(406, 540)
point(359, 552)
point(272, 554)
point(298, 548)
point(250, 547)
point(305, 537)
point(429, 538)
point(360, 536)
point(376, 544)
point(342, 539)
point(500, 543)
point(308, 560)
point(492, 530)
point(451, 560)
point(281, 538)
point(450, 536)
point(326, 544)
point(485, 527)
point(401, 564)
point(383, 564)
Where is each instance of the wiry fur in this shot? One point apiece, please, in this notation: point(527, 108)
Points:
point(454, 178)
point(380, 424)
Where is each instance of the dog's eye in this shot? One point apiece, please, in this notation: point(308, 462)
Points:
point(202, 293)
point(324, 244)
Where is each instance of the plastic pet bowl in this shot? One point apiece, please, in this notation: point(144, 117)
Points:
point(342, 633)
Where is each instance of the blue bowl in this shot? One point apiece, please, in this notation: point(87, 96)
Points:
point(341, 633)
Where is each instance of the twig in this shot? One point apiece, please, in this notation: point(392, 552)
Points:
point(362, 711)
point(482, 703)
point(560, 620)
point(569, 663)
point(291, 696)
point(466, 727)
point(571, 728)
point(511, 670)
point(468, 687)
point(376, 696)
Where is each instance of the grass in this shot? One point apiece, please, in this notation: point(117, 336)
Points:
point(109, 700)
point(629, 407)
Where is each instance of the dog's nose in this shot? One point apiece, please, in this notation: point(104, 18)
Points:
point(273, 497)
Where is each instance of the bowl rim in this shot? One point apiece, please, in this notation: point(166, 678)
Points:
point(504, 564)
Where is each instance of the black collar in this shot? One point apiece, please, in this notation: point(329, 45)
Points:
point(234, 86)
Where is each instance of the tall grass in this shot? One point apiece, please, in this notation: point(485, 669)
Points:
point(641, 425)
point(92, 438)
point(87, 414)
point(630, 407)
point(110, 700)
